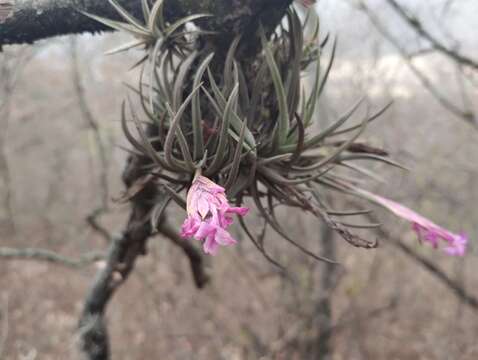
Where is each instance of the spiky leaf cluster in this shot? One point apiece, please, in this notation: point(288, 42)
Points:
point(250, 127)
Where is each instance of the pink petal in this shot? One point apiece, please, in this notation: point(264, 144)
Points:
point(226, 221)
point(189, 227)
point(242, 211)
point(426, 229)
point(210, 245)
point(210, 185)
point(224, 238)
point(209, 214)
point(458, 247)
point(202, 206)
point(204, 230)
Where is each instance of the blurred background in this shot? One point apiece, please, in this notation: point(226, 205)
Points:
point(61, 158)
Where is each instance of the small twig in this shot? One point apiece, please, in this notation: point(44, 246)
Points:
point(50, 256)
point(437, 45)
point(433, 269)
point(7, 80)
point(92, 220)
point(439, 274)
point(200, 276)
point(297, 329)
point(92, 123)
point(101, 145)
point(5, 327)
point(466, 115)
point(323, 309)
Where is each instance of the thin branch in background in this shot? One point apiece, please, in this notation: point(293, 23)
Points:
point(322, 319)
point(456, 322)
point(417, 25)
point(7, 253)
point(454, 286)
point(92, 220)
point(466, 115)
point(4, 326)
point(438, 273)
point(196, 261)
point(92, 123)
point(100, 144)
point(446, 7)
point(7, 85)
point(297, 330)
point(460, 79)
point(11, 65)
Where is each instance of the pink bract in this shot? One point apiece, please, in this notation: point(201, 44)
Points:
point(209, 215)
point(426, 229)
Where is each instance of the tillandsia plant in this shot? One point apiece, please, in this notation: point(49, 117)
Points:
point(227, 129)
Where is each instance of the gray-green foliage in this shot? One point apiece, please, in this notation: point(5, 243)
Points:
point(247, 126)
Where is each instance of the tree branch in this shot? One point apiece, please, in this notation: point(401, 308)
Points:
point(434, 270)
point(466, 115)
point(416, 24)
point(50, 256)
point(438, 273)
point(26, 21)
point(124, 251)
point(200, 276)
point(31, 20)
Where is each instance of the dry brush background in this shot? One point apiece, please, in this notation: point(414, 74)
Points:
point(60, 164)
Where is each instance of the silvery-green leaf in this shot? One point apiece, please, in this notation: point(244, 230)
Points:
point(219, 152)
point(156, 16)
point(196, 115)
point(283, 120)
point(127, 16)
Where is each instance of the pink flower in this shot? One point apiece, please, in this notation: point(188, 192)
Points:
point(209, 215)
point(425, 228)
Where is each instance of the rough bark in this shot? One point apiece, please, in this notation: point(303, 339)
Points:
point(124, 250)
point(26, 21)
